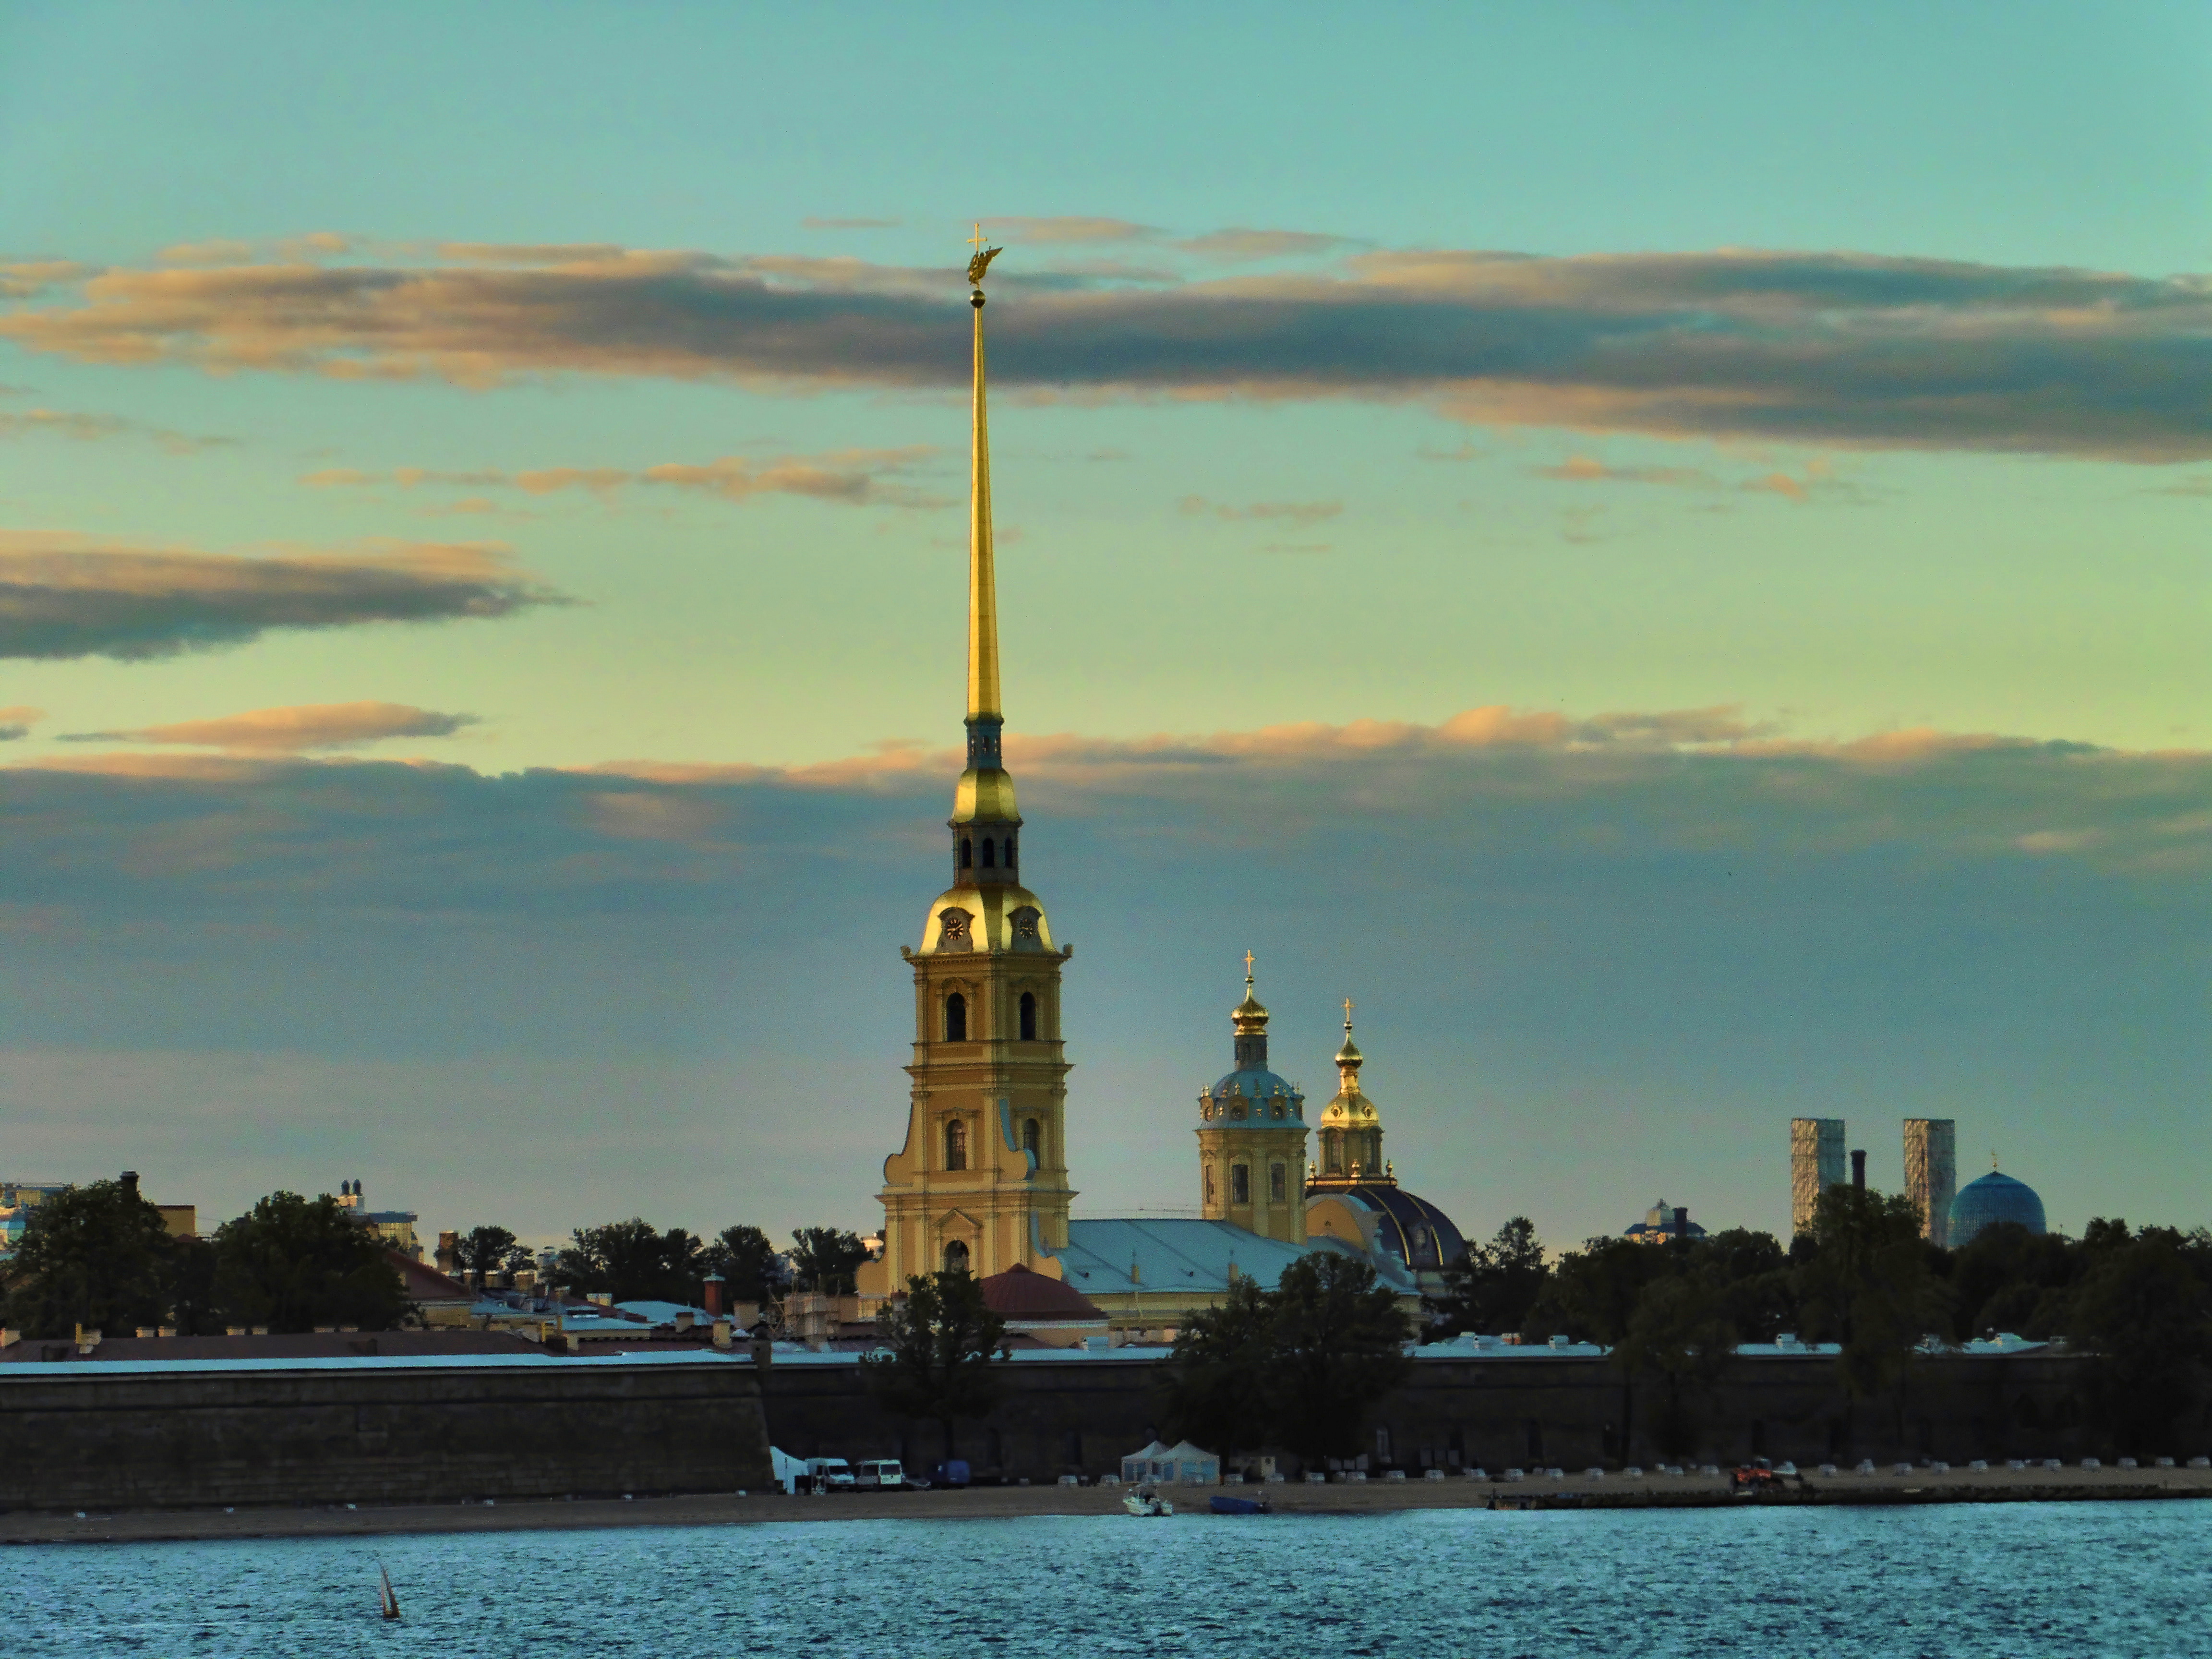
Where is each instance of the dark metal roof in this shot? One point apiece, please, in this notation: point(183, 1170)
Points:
point(1411, 1229)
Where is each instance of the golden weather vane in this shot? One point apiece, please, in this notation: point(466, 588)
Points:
point(981, 260)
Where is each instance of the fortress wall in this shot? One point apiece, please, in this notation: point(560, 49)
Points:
point(1080, 1416)
point(100, 1436)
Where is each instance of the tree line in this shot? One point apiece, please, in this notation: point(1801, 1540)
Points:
point(634, 1260)
point(2137, 1304)
point(98, 1257)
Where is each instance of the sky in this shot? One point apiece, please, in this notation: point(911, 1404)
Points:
point(1662, 551)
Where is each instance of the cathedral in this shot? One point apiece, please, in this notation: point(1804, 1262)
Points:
point(981, 1183)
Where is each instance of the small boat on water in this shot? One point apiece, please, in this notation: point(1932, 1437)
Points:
point(1243, 1506)
point(1146, 1500)
point(388, 1601)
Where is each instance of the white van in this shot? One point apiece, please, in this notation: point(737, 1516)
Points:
point(830, 1473)
point(879, 1475)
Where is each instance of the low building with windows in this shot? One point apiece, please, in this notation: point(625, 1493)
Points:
point(394, 1229)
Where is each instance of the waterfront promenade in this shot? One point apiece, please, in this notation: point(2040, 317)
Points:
point(1612, 1490)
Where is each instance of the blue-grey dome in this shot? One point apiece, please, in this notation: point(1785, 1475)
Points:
point(1995, 1197)
point(1253, 1083)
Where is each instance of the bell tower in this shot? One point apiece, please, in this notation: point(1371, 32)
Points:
point(981, 1183)
point(1252, 1136)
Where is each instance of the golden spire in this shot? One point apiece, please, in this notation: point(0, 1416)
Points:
point(982, 582)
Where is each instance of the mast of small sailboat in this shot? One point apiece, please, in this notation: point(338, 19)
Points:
point(391, 1601)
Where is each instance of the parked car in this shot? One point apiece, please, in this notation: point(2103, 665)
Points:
point(879, 1475)
point(830, 1473)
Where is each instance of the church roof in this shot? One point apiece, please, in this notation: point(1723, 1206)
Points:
point(1174, 1253)
point(1254, 1082)
point(1017, 1293)
point(1410, 1228)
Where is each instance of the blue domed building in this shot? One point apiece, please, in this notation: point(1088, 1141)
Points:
point(1995, 1197)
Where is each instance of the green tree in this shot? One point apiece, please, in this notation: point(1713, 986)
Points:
point(95, 1256)
point(1869, 1282)
point(747, 1260)
point(2144, 1310)
point(939, 1347)
point(292, 1263)
point(1339, 1346)
point(483, 1254)
point(825, 1259)
point(2007, 1279)
point(1216, 1389)
point(633, 1261)
point(1592, 1291)
point(1680, 1332)
point(1490, 1288)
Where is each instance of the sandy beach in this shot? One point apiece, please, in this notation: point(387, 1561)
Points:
point(1613, 1491)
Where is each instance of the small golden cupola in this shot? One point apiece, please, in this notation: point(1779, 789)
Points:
point(1351, 1127)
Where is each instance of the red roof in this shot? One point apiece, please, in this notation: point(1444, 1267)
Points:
point(427, 1284)
point(1017, 1293)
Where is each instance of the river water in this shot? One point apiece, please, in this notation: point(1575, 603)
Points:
point(1954, 1581)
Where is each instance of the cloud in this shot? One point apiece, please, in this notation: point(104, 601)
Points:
point(857, 477)
point(1299, 512)
point(1585, 469)
point(1071, 228)
point(87, 428)
point(849, 224)
point(226, 251)
point(66, 596)
point(294, 730)
point(1830, 349)
point(26, 278)
point(15, 723)
point(1237, 244)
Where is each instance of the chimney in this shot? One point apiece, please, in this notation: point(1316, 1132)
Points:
point(449, 1246)
point(711, 1289)
point(1682, 1222)
point(721, 1333)
point(1858, 1172)
point(685, 1319)
point(130, 1183)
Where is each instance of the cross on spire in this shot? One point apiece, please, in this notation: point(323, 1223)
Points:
point(1347, 1013)
point(1247, 967)
point(976, 240)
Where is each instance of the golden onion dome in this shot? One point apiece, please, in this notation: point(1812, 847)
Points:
point(1249, 1016)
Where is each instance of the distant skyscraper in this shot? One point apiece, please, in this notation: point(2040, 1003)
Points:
point(1931, 1173)
point(1816, 1163)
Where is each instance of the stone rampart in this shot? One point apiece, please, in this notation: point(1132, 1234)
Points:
point(1079, 1415)
point(375, 1431)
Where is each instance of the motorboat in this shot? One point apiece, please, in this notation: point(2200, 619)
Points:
point(1146, 1500)
point(1226, 1505)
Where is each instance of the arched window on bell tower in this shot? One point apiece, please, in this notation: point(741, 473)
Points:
point(956, 1257)
point(955, 1018)
point(1029, 1016)
point(967, 853)
point(1032, 1139)
point(956, 1145)
point(1240, 1183)
point(990, 862)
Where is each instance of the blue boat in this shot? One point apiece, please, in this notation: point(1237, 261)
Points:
point(1243, 1506)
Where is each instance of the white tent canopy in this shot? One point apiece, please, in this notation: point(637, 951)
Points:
point(1184, 1464)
